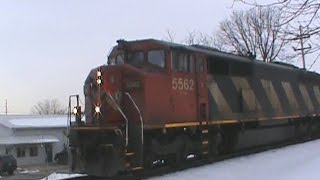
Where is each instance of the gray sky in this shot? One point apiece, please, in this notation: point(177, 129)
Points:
point(47, 48)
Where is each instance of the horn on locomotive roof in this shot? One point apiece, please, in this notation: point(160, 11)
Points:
point(121, 43)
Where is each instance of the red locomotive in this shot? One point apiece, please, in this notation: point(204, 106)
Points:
point(159, 102)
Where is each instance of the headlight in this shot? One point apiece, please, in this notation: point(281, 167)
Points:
point(75, 110)
point(97, 109)
point(99, 73)
point(99, 81)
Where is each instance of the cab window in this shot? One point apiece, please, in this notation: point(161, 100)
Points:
point(112, 61)
point(157, 58)
point(136, 58)
point(120, 59)
point(182, 62)
point(201, 65)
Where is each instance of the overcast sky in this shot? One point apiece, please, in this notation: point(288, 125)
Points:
point(47, 48)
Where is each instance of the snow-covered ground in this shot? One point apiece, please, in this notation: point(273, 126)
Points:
point(56, 176)
point(296, 162)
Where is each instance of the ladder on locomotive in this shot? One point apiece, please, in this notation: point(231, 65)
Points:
point(134, 146)
point(205, 146)
point(134, 151)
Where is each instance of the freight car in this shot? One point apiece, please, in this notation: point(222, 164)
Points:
point(156, 102)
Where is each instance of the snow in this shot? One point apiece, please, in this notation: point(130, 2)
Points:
point(56, 176)
point(25, 171)
point(294, 162)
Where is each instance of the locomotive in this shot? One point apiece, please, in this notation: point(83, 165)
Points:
point(158, 102)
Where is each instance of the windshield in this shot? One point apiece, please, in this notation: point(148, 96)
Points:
point(117, 59)
point(155, 59)
point(136, 58)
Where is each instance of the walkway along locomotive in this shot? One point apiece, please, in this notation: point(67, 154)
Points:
point(160, 102)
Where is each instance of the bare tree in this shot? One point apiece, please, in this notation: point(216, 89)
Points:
point(255, 32)
point(170, 36)
point(48, 107)
point(298, 12)
point(194, 37)
point(297, 15)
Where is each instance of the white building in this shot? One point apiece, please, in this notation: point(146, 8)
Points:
point(32, 139)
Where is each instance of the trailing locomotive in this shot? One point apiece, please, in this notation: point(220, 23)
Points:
point(159, 102)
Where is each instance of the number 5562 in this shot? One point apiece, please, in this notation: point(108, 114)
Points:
point(182, 84)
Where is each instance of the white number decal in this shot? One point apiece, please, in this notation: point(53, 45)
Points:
point(183, 84)
point(180, 84)
point(191, 83)
point(174, 83)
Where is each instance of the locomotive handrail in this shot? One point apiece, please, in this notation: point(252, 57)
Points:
point(141, 120)
point(125, 117)
point(69, 107)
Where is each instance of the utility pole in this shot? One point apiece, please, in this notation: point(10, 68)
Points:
point(6, 107)
point(301, 37)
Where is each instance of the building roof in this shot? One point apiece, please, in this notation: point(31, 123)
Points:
point(21, 122)
point(39, 139)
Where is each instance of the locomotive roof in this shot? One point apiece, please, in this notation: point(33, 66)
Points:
point(196, 48)
point(224, 55)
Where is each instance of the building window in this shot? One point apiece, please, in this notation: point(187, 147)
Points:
point(33, 151)
point(21, 152)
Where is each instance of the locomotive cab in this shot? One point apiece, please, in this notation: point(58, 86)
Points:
point(120, 97)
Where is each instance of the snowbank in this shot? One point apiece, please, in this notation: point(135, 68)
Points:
point(294, 162)
point(56, 176)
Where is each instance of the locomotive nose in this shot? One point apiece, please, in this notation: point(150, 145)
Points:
point(112, 82)
point(102, 83)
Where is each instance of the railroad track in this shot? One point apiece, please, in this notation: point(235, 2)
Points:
point(159, 171)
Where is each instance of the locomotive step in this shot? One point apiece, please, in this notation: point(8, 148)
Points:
point(128, 165)
point(136, 168)
point(205, 142)
point(129, 153)
point(205, 131)
point(205, 152)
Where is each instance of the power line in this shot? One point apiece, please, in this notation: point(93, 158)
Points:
point(301, 37)
point(315, 60)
